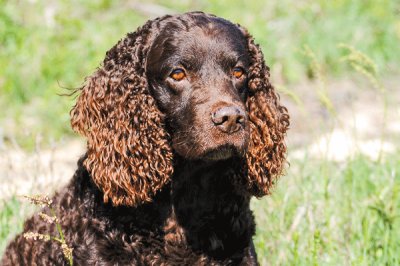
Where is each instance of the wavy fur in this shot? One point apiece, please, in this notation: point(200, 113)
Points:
point(134, 199)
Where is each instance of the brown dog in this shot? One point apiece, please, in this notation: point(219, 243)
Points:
point(183, 128)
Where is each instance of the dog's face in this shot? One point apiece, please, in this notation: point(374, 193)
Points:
point(198, 76)
point(192, 85)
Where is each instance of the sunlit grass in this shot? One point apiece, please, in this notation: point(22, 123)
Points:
point(13, 212)
point(352, 207)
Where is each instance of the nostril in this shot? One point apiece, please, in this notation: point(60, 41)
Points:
point(219, 118)
point(228, 119)
point(240, 119)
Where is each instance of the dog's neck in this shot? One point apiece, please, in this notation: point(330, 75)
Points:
point(203, 205)
point(210, 207)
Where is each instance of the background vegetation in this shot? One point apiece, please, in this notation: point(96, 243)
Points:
point(325, 211)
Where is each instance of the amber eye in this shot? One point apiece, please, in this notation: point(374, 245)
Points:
point(178, 74)
point(238, 72)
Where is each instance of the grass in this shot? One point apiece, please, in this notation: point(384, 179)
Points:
point(12, 214)
point(325, 213)
point(322, 212)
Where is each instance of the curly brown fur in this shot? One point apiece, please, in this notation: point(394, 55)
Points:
point(269, 122)
point(128, 149)
point(171, 163)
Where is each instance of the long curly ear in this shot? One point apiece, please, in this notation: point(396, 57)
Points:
point(269, 122)
point(128, 150)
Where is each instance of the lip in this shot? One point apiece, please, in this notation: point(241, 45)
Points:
point(221, 153)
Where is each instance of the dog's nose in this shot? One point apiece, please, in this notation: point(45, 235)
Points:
point(229, 119)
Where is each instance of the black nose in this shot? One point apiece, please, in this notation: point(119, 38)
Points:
point(229, 119)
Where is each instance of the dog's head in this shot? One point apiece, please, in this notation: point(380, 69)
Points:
point(191, 85)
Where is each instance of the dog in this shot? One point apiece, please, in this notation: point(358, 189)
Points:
point(183, 128)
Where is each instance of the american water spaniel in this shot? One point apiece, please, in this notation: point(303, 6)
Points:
point(183, 127)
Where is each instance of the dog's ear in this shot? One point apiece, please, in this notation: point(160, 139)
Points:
point(269, 121)
point(128, 149)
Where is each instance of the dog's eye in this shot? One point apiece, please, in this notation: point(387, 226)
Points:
point(178, 74)
point(238, 72)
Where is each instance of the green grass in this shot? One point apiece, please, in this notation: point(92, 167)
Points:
point(325, 213)
point(12, 214)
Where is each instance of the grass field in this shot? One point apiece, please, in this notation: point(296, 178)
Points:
point(328, 213)
point(336, 64)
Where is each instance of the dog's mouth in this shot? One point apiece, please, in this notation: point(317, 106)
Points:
point(221, 153)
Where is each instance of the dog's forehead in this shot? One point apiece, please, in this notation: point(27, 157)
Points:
point(213, 45)
point(202, 43)
point(212, 38)
point(210, 42)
